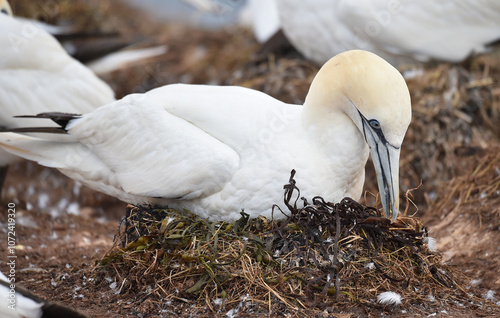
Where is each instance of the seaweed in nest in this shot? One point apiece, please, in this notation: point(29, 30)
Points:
point(320, 254)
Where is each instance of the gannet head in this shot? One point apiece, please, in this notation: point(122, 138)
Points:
point(374, 95)
point(5, 7)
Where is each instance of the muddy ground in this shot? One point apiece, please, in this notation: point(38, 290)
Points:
point(62, 228)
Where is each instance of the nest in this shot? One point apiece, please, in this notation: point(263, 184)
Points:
point(322, 254)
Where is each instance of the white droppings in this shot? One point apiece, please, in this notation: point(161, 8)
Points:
point(476, 282)
point(74, 208)
point(112, 285)
point(218, 301)
point(389, 298)
point(370, 266)
point(53, 236)
point(490, 295)
point(55, 213)
point(62, 204)
point(43, 200)
point(27, 221)
point(431, 297)
point(413, 73)
point(432, 315)
point(232, 313)
point(76, 188)
point(29, 206)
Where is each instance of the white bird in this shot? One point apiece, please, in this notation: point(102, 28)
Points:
point(262, 16)
point(215, 150)
point(18, 302)
point(401, 31)
point(37, 75)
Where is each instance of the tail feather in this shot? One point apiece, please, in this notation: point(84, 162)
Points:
point(46, 152)
point(62, 119)
point(49, 130)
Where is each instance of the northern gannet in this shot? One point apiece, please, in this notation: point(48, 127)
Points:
point(18, 302)
point(216, 150)
point(401, 31)
point(37, 75)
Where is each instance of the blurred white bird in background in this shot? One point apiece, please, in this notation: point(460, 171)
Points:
point(18, 302)
point(216, 150)
point(102, 52)
point(262, 17)
point(400, 31)
point(37, 75)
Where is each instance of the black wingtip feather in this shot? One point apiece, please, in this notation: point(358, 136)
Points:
point(49, 130)
point(62, 119)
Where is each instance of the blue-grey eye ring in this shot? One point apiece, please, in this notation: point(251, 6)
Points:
point(374, 124)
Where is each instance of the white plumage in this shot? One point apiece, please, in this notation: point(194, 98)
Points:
point(18, 302)
point(217, 150)
point(401, 31)
point(15, 305)
point(37, 75)
point(262, 16)
point(389, 298)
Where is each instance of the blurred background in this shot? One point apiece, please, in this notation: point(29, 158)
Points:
point(450, 163)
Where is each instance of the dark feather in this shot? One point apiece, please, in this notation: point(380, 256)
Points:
point(62, 119)
point(49, 130)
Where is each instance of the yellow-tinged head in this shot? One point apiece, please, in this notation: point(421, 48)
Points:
point(5, 7)
point(374, 95)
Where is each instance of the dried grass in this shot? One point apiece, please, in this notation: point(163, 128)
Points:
point(321, 255)
point(476, 192)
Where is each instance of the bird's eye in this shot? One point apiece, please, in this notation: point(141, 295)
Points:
point(374, 124)
point(4, 11)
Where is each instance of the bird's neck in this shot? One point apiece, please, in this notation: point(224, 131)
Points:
point(337, 137)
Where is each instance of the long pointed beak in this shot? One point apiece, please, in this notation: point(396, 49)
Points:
point(385, 158)
point(386, 161)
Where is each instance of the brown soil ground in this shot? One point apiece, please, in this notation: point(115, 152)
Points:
point(62, 228)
